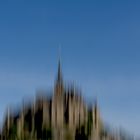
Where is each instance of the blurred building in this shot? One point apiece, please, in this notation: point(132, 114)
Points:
point(63, 113)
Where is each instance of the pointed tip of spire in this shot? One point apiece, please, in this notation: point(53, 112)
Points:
point(59, 75)
point(59, 52)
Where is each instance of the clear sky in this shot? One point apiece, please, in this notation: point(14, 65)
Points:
point(100, 42)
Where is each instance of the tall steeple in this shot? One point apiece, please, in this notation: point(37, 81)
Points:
point(59, 74)
point(59, 79)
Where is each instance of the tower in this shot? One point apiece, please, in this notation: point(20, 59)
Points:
point(96, 115)
point(59, 80)
point(96, 121)
point(58, 101)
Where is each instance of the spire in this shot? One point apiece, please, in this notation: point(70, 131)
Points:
point(59, 74)
point(59, 78)
point(96, 115)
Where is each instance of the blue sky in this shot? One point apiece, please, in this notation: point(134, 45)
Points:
point(100, 46)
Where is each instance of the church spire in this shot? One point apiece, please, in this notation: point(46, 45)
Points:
point(59, 79)
point(59, 74)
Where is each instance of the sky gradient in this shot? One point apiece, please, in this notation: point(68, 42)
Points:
point(100, 51)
